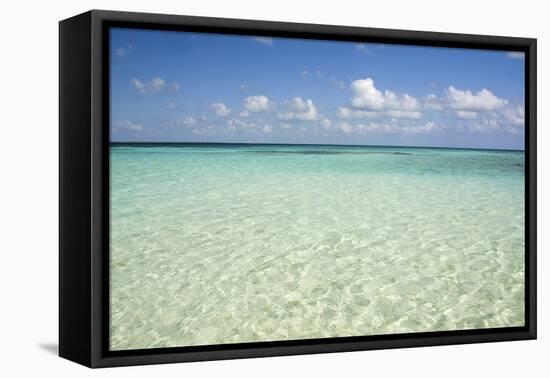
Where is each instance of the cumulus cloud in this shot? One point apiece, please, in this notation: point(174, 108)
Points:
point(188, 121)
point(465, 114)
point(171, 105)
point(300, 109)
point(483, 100)
point(478, 112)
point(516, 116)
point(154, 85)
point(366, 96)
point(325, 123)
point(235, 124)
point(421, 129)
point(181, 122)
point(264, 40)
point(345, 128)
point(372, 128)
point(510, 119)
point(404, 114)
point(220, 109)
point(255, 104)
point(347, 113)
point(484, 125)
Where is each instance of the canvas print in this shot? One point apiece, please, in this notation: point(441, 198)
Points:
point(266, 189)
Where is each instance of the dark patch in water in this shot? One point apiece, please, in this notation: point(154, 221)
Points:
point(305, 152)
point(275, 152)
point(296, 152)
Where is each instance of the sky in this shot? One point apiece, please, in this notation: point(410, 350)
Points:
point(197, 87)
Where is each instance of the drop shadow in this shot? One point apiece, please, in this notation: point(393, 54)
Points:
point(51, 348)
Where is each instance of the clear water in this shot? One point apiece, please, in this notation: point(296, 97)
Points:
point(223, 244)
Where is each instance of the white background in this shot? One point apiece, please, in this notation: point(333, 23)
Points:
point(29, 189)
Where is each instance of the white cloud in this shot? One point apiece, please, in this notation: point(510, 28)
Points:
point(400, 102)
point(242, 87)
point(465, 114)
point(516, 116)
point(393, 128)
point(185, 121)
point(404, 114)
point(235, 124)
point(515, 55)
point(325, 123)
point(421, 129)
point(258, 103)
point(466, 100)
point(367, 96)
point(347, 113)
point(300, 109)
point(127, 125)
point(264, 40)
point(345, 128)
point(171, 105)
point(432, 102)
point(484, 125)
point(188, 121)
point(244, 113)
point(220, 109)
point(509, 119)
point(154, 85)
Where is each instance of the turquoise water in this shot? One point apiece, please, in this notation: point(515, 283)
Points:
point(214, 244)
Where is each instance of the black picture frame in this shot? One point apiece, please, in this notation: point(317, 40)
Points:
point(84, 191)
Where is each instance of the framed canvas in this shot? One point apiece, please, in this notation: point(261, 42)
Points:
point(235, 188)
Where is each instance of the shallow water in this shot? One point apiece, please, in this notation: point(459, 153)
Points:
point(226, 244)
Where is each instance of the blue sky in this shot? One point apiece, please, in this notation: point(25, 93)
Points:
point(194, 87)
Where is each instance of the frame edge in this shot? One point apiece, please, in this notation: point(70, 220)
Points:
point(74, 189)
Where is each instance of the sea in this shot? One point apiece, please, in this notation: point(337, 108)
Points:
point(236, 243)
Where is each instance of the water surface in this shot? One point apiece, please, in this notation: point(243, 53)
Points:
point(215, 244)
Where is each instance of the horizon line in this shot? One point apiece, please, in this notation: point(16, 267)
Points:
point(316, 144)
